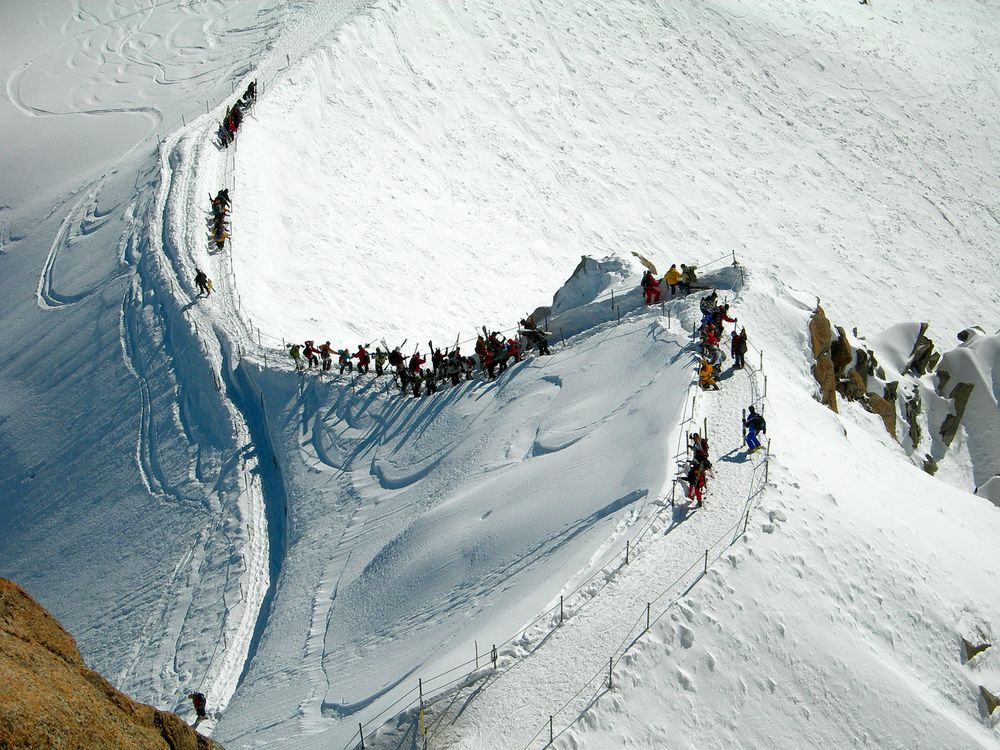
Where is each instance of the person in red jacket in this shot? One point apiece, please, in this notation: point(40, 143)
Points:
point(363, 358)
point(415, 362)
point(711, 337)
point(696, 483)
point(651, 288)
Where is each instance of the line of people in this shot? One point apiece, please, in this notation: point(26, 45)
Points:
point(714, 318)
point(683, 279)
point(219, 220)
point(493, 354)
point(234, 115)
point(711, 330)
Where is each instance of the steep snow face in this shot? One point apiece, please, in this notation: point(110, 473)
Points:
point(418, 527)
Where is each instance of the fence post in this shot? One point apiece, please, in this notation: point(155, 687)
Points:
point(704, 429)
point(551, 738)
point(611, 664)
point(647, 615)
point(494, 656)
point(560, 607)
point(477, 654)
point(627, 543)
point(612, 299)
point(706, 561)
point(734, 258)
point(765, 386)
point(761, 359)
point(361, 733)
point(746, 521)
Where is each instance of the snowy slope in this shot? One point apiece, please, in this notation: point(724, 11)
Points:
point(199, 515)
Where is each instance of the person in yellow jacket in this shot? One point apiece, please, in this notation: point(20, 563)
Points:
point(706, 376)
point(672, 277)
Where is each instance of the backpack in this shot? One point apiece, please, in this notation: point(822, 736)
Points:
point(757, 422)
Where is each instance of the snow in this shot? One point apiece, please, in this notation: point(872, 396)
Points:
point(306, 548)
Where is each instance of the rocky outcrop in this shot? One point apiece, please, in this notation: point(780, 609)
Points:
point(885, 409)
point(841, 353)
point(49, 698)
point(990, 701)
point(960, 398)
point(821, 341)
point(923, 358)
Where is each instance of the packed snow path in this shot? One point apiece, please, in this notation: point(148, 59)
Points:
point(549, 670)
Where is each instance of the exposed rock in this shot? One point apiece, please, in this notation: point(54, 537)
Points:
point(930, 465)
point(960, 396)
point(820, 338)
point(912, 408)
point(990, 700)
point(853, 387)
point(841, 352)
point(865, 365)
point(890, 390)
point(886, 410)
point(971, 649)
point(970, 333)
point(920, 356)
point(49, 698)
point(943, 376)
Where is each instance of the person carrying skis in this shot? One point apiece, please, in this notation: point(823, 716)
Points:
point(295, 352)
point(754, 424)
point(203, 283)
point(706, 376)
point(721, 316)
point(326, 352)
point(711, 336)
point(696, 483)
point(415, 362)
point(380, 359)
point(311, 351)
point(673, 278)
point(455, 366)
point(200, 705)
point(437, 359)
point(651, 288)
point(363, 358)
point(688, 278)
point(344, 360)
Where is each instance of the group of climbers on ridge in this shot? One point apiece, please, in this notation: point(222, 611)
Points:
point(493, 353)
point(683, 279)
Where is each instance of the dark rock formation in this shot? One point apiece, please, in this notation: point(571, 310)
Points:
point(49, 698)
point(960, 397)
point(841, 353)
point(971, 649)
point(922, 357)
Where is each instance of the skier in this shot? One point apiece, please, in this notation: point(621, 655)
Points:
point(696, 483)
point(699, 447)
point(455, 366)
point(200, 702)
point(363, 358)
point(380, 359)
point(738, 348)
point(326, 352)
point(754, 424)
point(311, 351)
point(223, 197)
point(344, 360)
point(295, 352)
point(673, 278)
point(430, 380)
point(711, 337)
point(203, 283)
point(651, 288)
point(415, 362)
point(706, 378)
point(688, 278)
point(437, 359)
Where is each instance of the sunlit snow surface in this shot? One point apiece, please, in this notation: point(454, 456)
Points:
point(418, 171)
